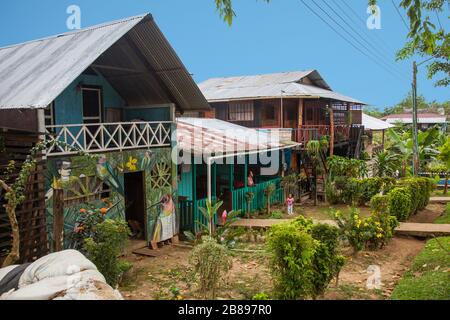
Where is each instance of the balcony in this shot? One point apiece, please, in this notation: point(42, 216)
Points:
point(107, 137)
point(306, 133)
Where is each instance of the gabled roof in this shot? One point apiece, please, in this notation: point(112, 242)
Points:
point(132, 54)
point(207, 136)
point(374, 124)
point(298, 84)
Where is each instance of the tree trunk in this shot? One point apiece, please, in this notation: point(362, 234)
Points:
point(14, 254)
point(446, 185)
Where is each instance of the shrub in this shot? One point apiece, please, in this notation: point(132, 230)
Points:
point(379, 204)
point(327, 262)
point(277, 214)
point(87, 220)
point(305, 258)
point(260, 296)
point(400, 203)
point(211, 261)
point(370, 233)
point(292, 251)
point(105, 246)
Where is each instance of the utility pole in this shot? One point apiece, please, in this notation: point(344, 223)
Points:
point(415, 163)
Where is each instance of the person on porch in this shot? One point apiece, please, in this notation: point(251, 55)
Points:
point(250, 181)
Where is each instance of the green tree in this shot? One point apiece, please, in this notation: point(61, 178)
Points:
point(425, 38)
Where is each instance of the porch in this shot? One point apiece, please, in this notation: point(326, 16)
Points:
point(106, 137)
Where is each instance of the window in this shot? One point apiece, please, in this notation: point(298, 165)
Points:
point(49, 117)
point(240, 111)
point(49, 114)
point(92, 105)
point(269, 112)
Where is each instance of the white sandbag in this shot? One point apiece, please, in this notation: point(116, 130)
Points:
point(85, 285)
point(64, 263)
point(4, 271)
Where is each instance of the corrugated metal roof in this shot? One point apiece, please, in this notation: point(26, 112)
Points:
point(143, 67)
point(206, 136)
point(288, 84)
point(374, 124)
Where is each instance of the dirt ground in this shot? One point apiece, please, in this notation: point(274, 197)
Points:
point(429, 214)
point(169, 276)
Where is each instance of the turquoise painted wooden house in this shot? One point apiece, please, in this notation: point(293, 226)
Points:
point(219, 160)
point(112, 90)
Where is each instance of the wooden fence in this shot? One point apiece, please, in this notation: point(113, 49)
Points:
point(31, 215)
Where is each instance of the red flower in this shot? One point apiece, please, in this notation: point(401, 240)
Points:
point(103, 211)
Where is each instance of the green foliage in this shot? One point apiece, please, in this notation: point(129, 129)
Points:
point(370, 233)
point(445, 218)
point(428, 278)
point(211, 262)
point(209, 213)
point(105, 246)
point(305, 258)
point(85, 226)
point(346, 167)
point(379, 203)
point(411, 195)
point(400, 203)
point(261, 296)
point(386, 164)
point(277, 214)
point(292, 254)
point(357, 191)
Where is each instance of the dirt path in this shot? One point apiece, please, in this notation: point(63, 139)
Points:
point(393, 261)
point(169, 275)
point(429, 214)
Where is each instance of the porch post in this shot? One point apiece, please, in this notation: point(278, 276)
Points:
point(214, 180)
point(331, 130)
point(246, 172)
point(382, 139)
point(231, 176)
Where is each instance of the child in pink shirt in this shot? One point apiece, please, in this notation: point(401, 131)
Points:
point(290, 204)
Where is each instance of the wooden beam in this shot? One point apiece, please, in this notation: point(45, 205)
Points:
point(331, 130)
point(58, 220)
point(115, 68)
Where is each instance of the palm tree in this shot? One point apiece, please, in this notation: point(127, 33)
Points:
point(209, 213)
point(385, 164)
point(268, 192)
point(249, 196)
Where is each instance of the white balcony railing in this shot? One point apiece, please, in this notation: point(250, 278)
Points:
point(102, 137)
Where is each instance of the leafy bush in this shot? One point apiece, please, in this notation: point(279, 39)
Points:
point(346, 167)
point(104, 247)
point(260, 296)
point(305, 258)
point(211, 261)
point(400, 203)
point(379, 203)
point(327, 262)
point(370, 233)
point(277, 214)
point(87, 220)
point(292, 251)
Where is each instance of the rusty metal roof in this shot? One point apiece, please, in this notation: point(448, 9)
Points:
point(207, 136)
point(132, 54)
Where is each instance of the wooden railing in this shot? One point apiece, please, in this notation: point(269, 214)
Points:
point(306, 133)
point(259, 200)
point(190, 215)
point(101, 137)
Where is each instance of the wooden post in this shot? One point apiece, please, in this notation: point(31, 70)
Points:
point(382, 140)
point(58, 220)
point(246, 172)
point(331, 130)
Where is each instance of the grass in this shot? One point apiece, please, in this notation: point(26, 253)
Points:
point(445, 218)
point(429, 276)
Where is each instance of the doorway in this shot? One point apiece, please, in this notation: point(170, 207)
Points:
point(135, 208)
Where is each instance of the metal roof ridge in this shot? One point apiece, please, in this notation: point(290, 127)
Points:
point(90, 28)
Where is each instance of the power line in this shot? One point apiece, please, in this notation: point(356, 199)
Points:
point(358, 17)
point(400, 15)
point(345, 38)
point(375, 50)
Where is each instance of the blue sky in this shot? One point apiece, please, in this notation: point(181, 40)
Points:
point(264, 38)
